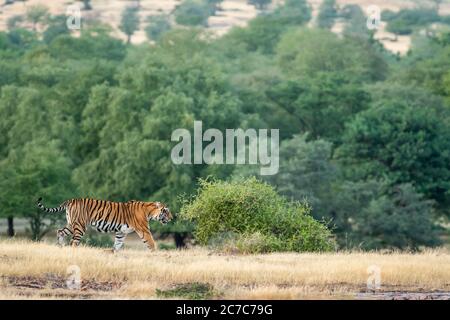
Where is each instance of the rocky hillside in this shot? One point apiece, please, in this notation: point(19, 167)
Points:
point(231, 13)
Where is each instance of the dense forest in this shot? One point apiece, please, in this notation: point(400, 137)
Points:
point(364, 133)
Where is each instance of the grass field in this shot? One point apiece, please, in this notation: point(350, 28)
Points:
point(40, 271)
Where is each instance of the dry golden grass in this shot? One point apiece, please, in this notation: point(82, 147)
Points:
point(39, 271)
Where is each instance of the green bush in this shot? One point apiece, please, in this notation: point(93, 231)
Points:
point(406, 20)
point(261, 219)
point(157, 26)
point(247, 243)
point(193, 13)
point(192, 291)
point(96, 239)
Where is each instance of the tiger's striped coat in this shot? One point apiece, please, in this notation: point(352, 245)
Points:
point(107, 216)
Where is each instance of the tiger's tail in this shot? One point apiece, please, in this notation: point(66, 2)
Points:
point(61, 207)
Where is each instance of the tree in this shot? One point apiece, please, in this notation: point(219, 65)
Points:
point(86, 4)
point(214, 5)
point(327, 14)
point(157, 26)
point(400, 219)
point(260, 4)
point(264, 32)
point(437, 3)
point(192, 13)
point(406, 21)
point(356, 24)
point(320, 104)
point(402, 141)
point(428, 65)
point(14, 21)
point(324, 52)
point(57, 26)
point(129, 22)
point(38, 169)
point(36, 14)
point(307, 173)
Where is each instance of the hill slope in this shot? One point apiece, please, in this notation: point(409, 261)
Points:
point(231, 13)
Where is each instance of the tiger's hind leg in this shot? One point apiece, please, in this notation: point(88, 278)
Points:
point(61, 234)
point(119, 240)
point(78, 233)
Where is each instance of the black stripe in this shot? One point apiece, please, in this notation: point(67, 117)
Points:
point(96, 205)
point(109, 213)
point(116, 218)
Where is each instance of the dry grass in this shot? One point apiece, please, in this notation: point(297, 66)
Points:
point(39, 270)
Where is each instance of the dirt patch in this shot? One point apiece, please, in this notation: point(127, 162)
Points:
point(53, 281)
point(401, 295)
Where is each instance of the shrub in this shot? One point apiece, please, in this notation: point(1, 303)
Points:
point(406, 20)
point(192, 13)
point(95, 239)
point(259, 4)
point(247, 243)
point(157, 26)
point(193, 291)
point(261, 219)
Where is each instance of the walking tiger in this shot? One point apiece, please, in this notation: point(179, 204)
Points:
point(107, 216)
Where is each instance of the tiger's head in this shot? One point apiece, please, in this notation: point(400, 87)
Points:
point(161, 213)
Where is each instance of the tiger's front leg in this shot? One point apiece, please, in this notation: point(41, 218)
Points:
point(147, 238)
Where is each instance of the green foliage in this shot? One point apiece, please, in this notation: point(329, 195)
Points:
point(14, 21)
point(192, 291)
point(264, 32)
point(402, 142)
point(91, 116)
point(93, 46)
point(307, 173)
point(248, 243)
point(193, 13)
point(57, 26)
point(428, 65)
point(324, 52)
point(129, 22)
point(179, 229)
point(327, 14)
point(260, 4)
point(320, 105)
point(249, 206)
point(157, 26)
point(36, 14)
point(166, 246)
point(86, 4)
point(406, 21)
point(96, 239)
point(37, 169)
point(356, 22)
point(378, 216)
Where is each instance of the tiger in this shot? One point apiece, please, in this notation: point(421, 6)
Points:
point(122, 218)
